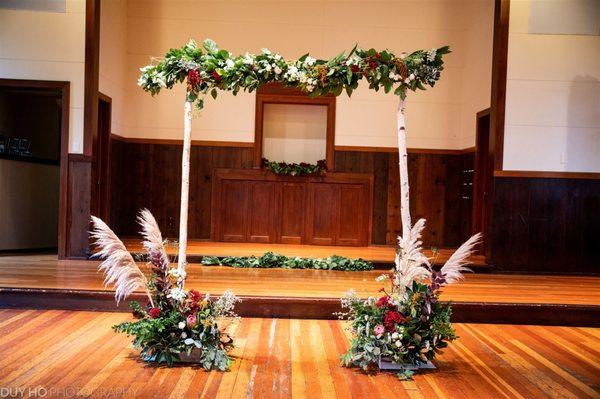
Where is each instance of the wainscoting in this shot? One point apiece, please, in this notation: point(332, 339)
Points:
point(147, 175)
point(546, 225)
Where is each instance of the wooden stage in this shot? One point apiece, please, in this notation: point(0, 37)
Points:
point(77, 354)
point(379, 255)
point(44, 282)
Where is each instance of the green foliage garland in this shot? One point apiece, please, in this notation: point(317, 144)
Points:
point(295, 169)
point(273, 260)
point(209, 69)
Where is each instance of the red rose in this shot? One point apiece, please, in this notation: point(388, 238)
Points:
point(383, 301)
point(372, 64)
point(377, 55)
point(194, 295)
point(354, 68)
point(193, 77)
point(390, 320)
point(216, 76)
point(154, 312)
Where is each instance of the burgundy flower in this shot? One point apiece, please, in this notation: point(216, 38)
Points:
point(194, 295)
point(154, 312)
point(372, 64)
point(354, 68)
point(193, 78)
point(392, 318)
point(383, 301)
point(216, 76)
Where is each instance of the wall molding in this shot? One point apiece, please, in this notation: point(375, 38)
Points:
point(546, 175)
point(410, 150)
point(195, 143)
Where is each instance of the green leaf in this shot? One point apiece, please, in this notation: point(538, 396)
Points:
point(213, 93)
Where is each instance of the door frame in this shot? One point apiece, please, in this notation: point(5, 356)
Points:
point(482, 180)
point(64, 88)
point(103, 174)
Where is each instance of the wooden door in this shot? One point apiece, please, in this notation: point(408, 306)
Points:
point(100, 175)
point(482, 175)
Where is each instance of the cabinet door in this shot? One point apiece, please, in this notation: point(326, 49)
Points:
point(233, 210)
point(293, 213)
point(351, 227)
point(262, 212)
point(323, 198)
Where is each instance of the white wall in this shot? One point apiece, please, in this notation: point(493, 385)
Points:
point(553, 94)
point(48, 46)
point(442, 117)
point(113, 59)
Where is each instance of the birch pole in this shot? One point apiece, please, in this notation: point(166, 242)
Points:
point(403, 164)
point(185, 188)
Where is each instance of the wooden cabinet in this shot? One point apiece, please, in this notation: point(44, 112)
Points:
point(258, 206)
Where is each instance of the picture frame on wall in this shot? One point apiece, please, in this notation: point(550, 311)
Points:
point(24, 148)
point(3, 144)
point(13, 146)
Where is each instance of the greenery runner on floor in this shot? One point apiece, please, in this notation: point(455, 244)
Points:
point(274, 260)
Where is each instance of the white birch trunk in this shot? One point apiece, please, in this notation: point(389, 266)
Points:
point(402, 162)
point(185, 187)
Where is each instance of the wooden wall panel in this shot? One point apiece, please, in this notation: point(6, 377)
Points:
point(323, 210)
point(147, 175)
point(438, 193)
point(262, 203)
point(351, 223)
point(234, 197)
point(293, 213)
point(546, 225)
point(78, 206)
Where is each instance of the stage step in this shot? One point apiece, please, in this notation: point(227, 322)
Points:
point(312, 308)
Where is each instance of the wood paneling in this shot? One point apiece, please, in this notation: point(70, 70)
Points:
point(336, 211)
point(146, 175)
point(440, 192)
point(546, 225)
point(78, 206)
point(292, 359)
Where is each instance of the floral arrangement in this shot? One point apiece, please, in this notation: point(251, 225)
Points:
point(295, 169)
point(208, 69)
point(274, 260)
point(407, 325)
point(177, 324)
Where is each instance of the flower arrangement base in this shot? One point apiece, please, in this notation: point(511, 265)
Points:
point(386, 364)
point(193, 357)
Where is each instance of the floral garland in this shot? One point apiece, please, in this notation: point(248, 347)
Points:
point(295, 169)
point(209, 69)
point(274, 260)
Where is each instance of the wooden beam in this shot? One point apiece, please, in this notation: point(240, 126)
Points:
point(546, 175)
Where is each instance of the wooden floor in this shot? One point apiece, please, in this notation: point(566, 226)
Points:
point(45, 272)
point(379, 254)
point(76, 353)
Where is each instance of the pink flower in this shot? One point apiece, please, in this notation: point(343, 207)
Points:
point(192, 320)
point(379, 329)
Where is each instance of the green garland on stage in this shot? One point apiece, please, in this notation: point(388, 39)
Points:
point(209, 69)
point(274, 260)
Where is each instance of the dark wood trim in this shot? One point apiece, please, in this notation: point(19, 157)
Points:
point(482, 182)
point(42, 161)
point(310, 308)
point(92, 60)
point(65, 89)
point(79, 158)
point(499, 70)
point(547, 175)
point(352, 148)
point(195, 143)
point(275, 93)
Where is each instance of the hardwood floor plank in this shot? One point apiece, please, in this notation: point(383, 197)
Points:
point(77, 352)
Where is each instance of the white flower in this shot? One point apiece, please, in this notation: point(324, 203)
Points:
point(395, 335)
point(188, 341)
point(177, 294)
point(266, 51)
point(277, 70)
point(248, 60)
point(268, 67)
point(183, 335)
point(310, 88)
point(398, 343)
point(412, 76)
point(277, 57)
point(406, 80)
point(181, 325)
point(229, 63)
point(431, 55)
point(310, 61)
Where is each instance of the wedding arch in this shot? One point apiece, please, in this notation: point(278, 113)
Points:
point(402, 330)
point(208, 69)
